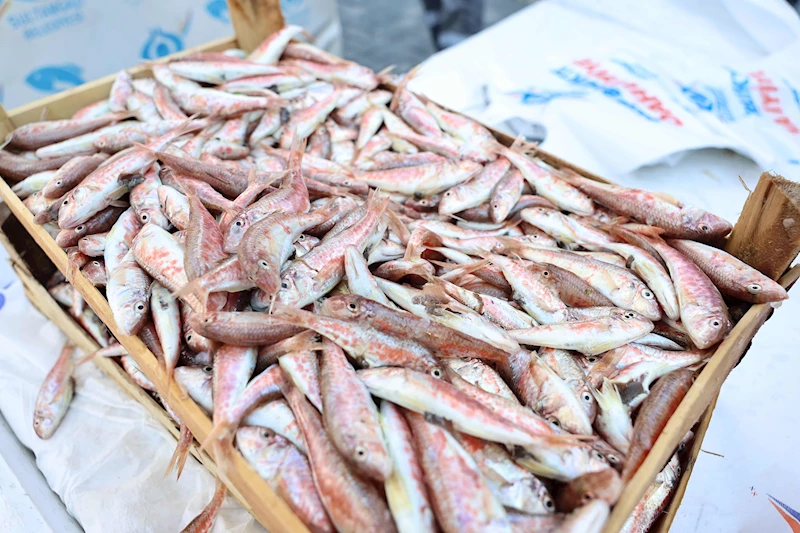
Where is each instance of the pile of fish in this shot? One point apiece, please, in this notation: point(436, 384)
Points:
point(399, 322)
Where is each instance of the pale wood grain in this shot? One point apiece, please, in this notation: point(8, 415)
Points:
point(254, 20)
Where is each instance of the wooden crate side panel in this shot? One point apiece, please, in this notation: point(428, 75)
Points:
point(767, 235)
point(257, 495)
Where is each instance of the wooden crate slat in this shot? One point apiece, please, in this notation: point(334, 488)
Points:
point(254, 20)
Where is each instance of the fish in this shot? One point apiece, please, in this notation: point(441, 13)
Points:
point(277, 417)
point(145, 201)
point(730, 275)
point(678, 220)
point(703, 312)
point(604, 485)
point(244, 327)
point(617, 284)
point(587, 519)
point(167, 320)
point(613, 421)
point(161, 257)
point(477, 373)
point(323, 267)
point(350, 415)
point(95, 273)
point(55, 395)
point(655, 499)
point(288, 472)
point(460, 496)
point(38, 134)
point(71, 173)
point(353, 504)
point(93, 245)
point(196, 382)
point(441, 340)
point(422, 393)
point(33, 184)
point(515, 487)
point(107, 183)
point(203, 522)
point(408, 497)
point(590, 337)
point(657, 408)
point(204, 240)
point(505, 195)
point(367, 345)
point(422, 180)
point(128, 293)
point(301, 367)
point(99, 223)
point(475, 191)
point(268, 244)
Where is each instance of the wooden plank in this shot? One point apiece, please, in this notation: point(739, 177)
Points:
point(254, 20)
point(270, 510)
point(6, 124)
point(767, 234)
point(699, 397)
point(663, 524)
point(64, 104)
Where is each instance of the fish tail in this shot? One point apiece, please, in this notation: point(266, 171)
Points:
point(608, 397)
point(223, 455)
point(181, 453)
point(194, 287)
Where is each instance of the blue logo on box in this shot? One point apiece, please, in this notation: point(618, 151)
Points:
point(161, 43)
point(219, 10)
point(55, 78)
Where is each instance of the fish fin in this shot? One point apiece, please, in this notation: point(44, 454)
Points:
point(223, 456)
point(667, 198)
point(402, 87)
point(397, 226)
point(608, 395)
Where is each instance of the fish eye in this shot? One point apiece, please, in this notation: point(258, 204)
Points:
point(629, 314)
point(598, 455)
point(546, 273)
point(238, 223)
point(96, 263)
point(553, 420)
point(189, 337)
point(140, 306)
point(613, 459)
point(361, 453)
point(753, 288)
point(715, 323)
point(145, 217)
point(436, 373)
point(265, 434)
point(352, 306)
point(65, 202)
point(448, 193)
point(301, 238)
point(263, 264)
point(587, 397)
point(58, 182)
point(704, 227)
point(208, 320)
point(548, 503)
point(36, 422)
point(647, 294)
point(284, 285)
point(80, 228)
point(591, 359)
point(208, 369)
point(587, 497)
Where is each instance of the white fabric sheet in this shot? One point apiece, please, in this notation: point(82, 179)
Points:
point(108, 457)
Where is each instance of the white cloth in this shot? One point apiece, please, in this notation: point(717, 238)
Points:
point(107, 459)
point(621, 84)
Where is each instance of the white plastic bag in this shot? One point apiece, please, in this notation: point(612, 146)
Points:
point(623, 84)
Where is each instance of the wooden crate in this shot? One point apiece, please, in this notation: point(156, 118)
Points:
point(773, 201)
